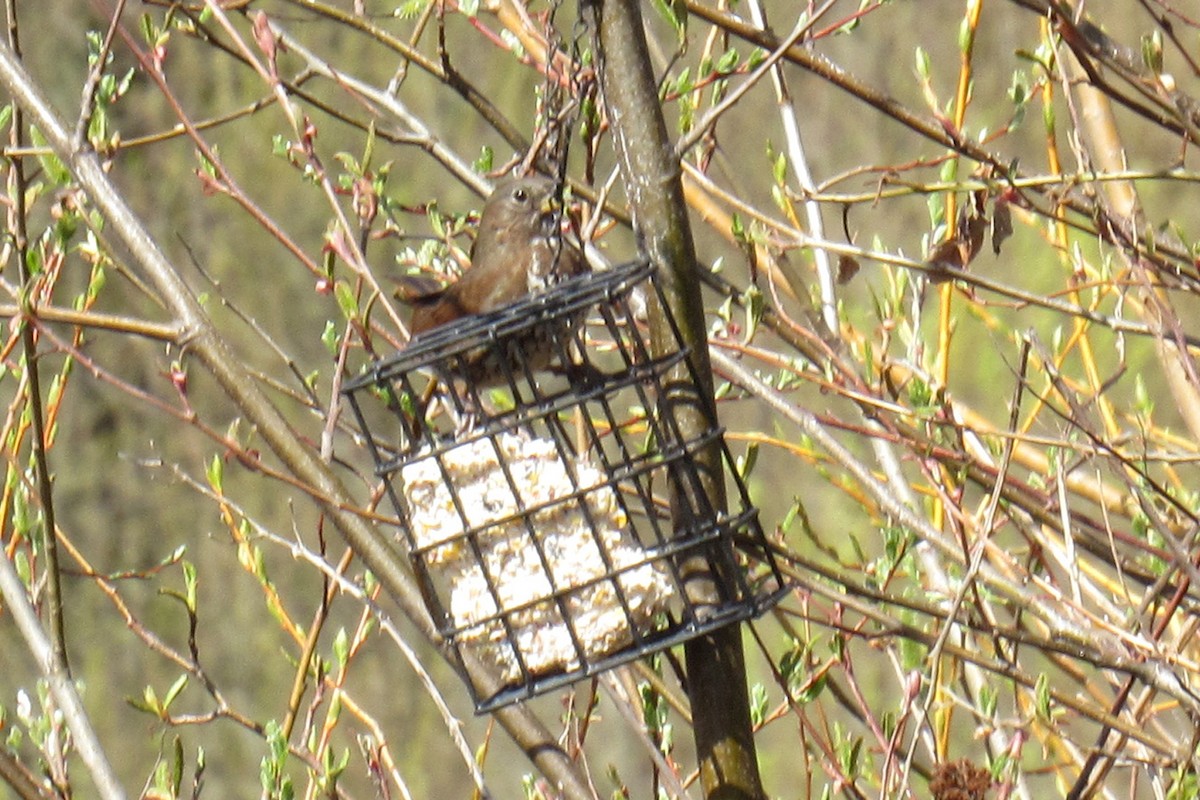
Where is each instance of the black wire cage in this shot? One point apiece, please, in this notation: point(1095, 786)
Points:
point(558, 518)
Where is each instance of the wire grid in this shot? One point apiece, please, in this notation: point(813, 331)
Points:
point(556, 517)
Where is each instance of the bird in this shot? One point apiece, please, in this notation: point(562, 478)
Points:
point(519, 250)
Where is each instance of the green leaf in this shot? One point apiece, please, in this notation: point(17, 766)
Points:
point(687, 113)
point(674, 12)
point(1041, 693)
point(190, 583)
point(436, 221)
point(346, 300)
point(966, 35)
point(936, 204)
point(176, 765)
point(369, 148)
point(276, 744)
point(149, 29)
point(341, 647)
point(216, 473)
point(349, 164)
point(887, 724)
point(737, 228)
point(919, 393)
point(22, 520)
point(949, 171)
point(837, 644)
point(150, 700)
point(95, 45)
point(684, 83)
point(331, 337)
point(333, 768)
point(758, 704)
point(987, 702)
point(589, 119)
point(1143, 403)
point(728, 62)
point(780, 198)
point(747, 462)
point(923, 68)
point(410, 9)
point(335, 708)
point(1152, 52)
point(1018, 90)
point(174, 691)
point(779, 169)
point(513, 43)
point(55, 169)
point(848, 753)
point(789, 518)
point(24, 572)
point(485, 161)
point(1184, 784)
point(140, 703)
point(33, 261)
point(809, 691)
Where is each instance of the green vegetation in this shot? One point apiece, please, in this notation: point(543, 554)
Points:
point(949, 259)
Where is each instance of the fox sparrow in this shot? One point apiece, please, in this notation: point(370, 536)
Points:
point(519, 250)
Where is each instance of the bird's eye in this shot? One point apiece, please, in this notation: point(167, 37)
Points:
point(520, 195)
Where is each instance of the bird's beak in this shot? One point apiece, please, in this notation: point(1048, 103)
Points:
point(551, 204)
point(550, 214)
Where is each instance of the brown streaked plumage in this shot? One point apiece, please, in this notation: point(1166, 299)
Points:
point(518, 250)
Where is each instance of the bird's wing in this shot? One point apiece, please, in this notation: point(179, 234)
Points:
point(418, 289)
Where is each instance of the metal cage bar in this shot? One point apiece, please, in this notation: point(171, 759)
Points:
point(533, 489)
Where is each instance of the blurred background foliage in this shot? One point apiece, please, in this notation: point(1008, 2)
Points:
point(927, 368)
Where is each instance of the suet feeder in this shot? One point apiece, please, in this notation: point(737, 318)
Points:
point(556, 515)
